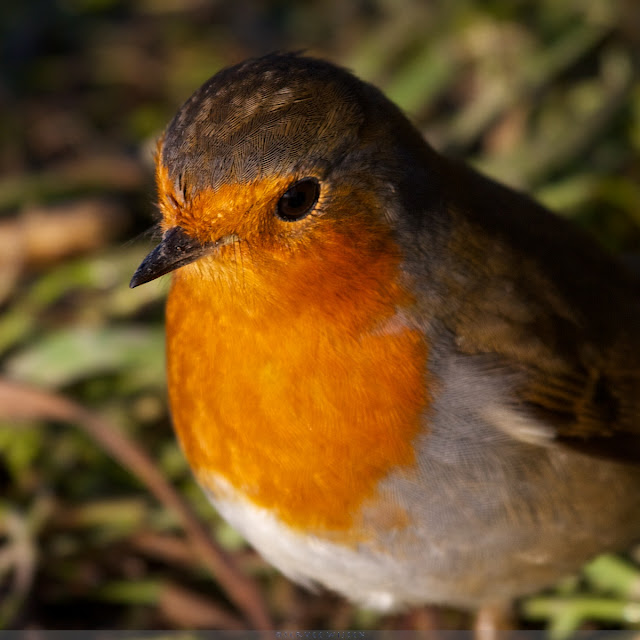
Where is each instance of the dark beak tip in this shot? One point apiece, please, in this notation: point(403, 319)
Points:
point(149, 269)
point(141, 275)
point(174, 251)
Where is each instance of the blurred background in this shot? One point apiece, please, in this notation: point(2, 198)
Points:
point(541, 94)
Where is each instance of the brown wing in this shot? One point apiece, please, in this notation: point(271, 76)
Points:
point(550, 306)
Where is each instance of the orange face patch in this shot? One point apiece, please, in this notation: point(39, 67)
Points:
point(284, 385)
point(230, 209)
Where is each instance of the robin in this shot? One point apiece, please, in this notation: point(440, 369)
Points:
point(395, 377)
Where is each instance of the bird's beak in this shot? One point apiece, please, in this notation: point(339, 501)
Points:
point(176, 250)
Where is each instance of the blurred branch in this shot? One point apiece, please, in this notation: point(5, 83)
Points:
point(182, 607)
point(19, 402)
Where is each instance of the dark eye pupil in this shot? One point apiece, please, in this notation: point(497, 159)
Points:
point(295, 198)
point(299, 199)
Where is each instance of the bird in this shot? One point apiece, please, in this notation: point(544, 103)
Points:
point(398, 379)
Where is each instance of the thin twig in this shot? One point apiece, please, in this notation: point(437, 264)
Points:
point(21, 402)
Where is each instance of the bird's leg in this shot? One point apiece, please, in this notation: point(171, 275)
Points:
point(492, 621)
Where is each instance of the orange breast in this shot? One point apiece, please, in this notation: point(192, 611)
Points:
point(299, 391)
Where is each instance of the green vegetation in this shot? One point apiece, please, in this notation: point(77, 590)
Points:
point(541, 94)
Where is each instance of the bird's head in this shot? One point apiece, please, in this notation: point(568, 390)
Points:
point(288, 166)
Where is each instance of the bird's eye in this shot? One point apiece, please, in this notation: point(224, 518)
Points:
point(298, 200)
